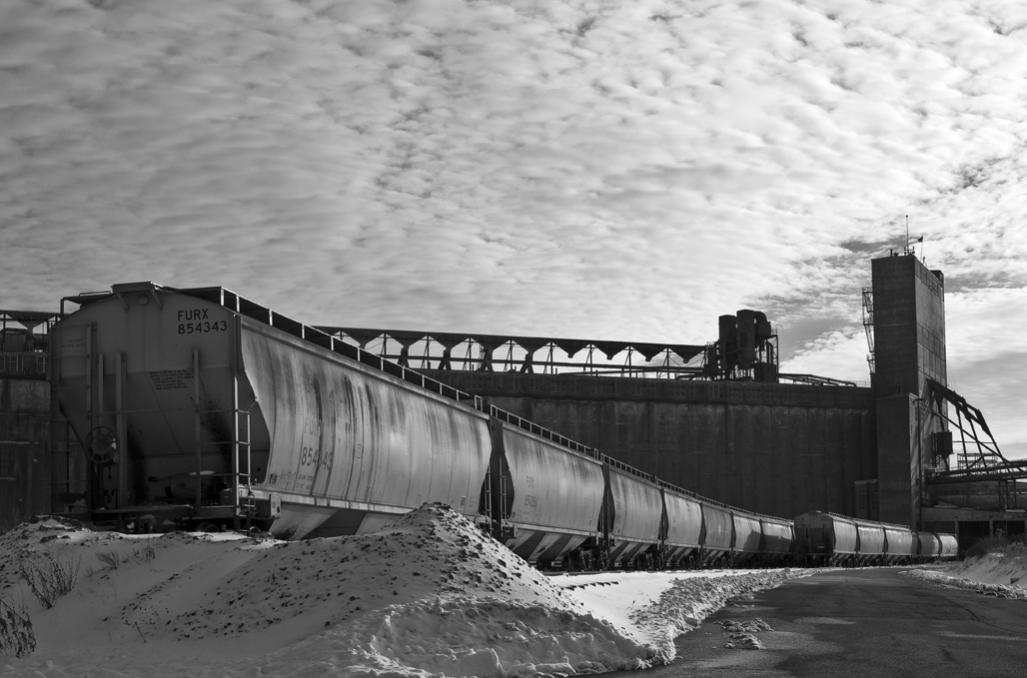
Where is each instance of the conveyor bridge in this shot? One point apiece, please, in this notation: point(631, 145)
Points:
point(453, 351)
point(977, 455)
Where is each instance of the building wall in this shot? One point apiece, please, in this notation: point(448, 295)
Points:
point(24, 459)
point(898, 488)
point(971, 525)
point(909, 347)
point(775, 448)
point(930, 328)
point(909, 325)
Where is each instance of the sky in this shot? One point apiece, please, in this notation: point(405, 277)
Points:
point(567, 168)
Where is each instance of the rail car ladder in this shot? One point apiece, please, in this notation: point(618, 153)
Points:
point(235, 501)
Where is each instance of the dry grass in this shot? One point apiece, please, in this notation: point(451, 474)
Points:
point(49, 578)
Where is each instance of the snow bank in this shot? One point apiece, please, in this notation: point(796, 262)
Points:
point(429, 595)
point(690, 600)
point(1001, 574)
point(17, 638)
point(443, 599)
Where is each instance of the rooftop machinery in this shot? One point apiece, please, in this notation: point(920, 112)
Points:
point(746, 349)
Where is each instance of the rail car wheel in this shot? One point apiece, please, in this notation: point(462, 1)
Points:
point(101, 446)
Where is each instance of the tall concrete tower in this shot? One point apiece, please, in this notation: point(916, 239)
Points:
point(909, 348)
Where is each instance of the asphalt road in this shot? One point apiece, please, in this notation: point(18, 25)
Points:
point(866, 622)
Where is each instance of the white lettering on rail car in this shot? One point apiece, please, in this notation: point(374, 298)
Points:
point(166, 380)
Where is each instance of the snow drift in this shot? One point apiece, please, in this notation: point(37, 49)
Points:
point(427, 595)
point(1002, 573)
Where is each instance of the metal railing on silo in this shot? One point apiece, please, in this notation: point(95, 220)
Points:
point(23, 365)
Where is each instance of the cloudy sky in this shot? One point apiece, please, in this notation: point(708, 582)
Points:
point(595, 169)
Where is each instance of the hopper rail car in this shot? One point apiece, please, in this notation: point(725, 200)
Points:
point(197, 407)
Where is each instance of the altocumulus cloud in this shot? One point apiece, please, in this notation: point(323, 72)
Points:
point(616, 170)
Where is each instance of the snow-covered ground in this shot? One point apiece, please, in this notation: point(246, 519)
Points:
point(428, 596)
point(1001, 573)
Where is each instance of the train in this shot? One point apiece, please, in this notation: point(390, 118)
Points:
point(824, 538)
point(197, 407)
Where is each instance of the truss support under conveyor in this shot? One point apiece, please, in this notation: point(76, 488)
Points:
point(977, 456)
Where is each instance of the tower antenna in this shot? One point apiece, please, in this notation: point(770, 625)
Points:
point(906, 251)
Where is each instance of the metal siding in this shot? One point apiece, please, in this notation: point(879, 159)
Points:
point(684, 520)
point(159, 384)
point(898, 541)
point(681, 433)
point(638, 508)
point(778, 535)
point(930, 545)
point(846, 535)
point(341, 431)
point(948, 546)
point(26, 480)
point(840, 530)
point(871, 539)
point(747, 533)
point(553, 487)
point(18, 500)
point(718, 528)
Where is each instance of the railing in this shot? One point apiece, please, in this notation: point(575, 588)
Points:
point(528, 355)
point(336, 344)
point(31, 365)
point(627, 468)
point(542, 431)
point(243, 306)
